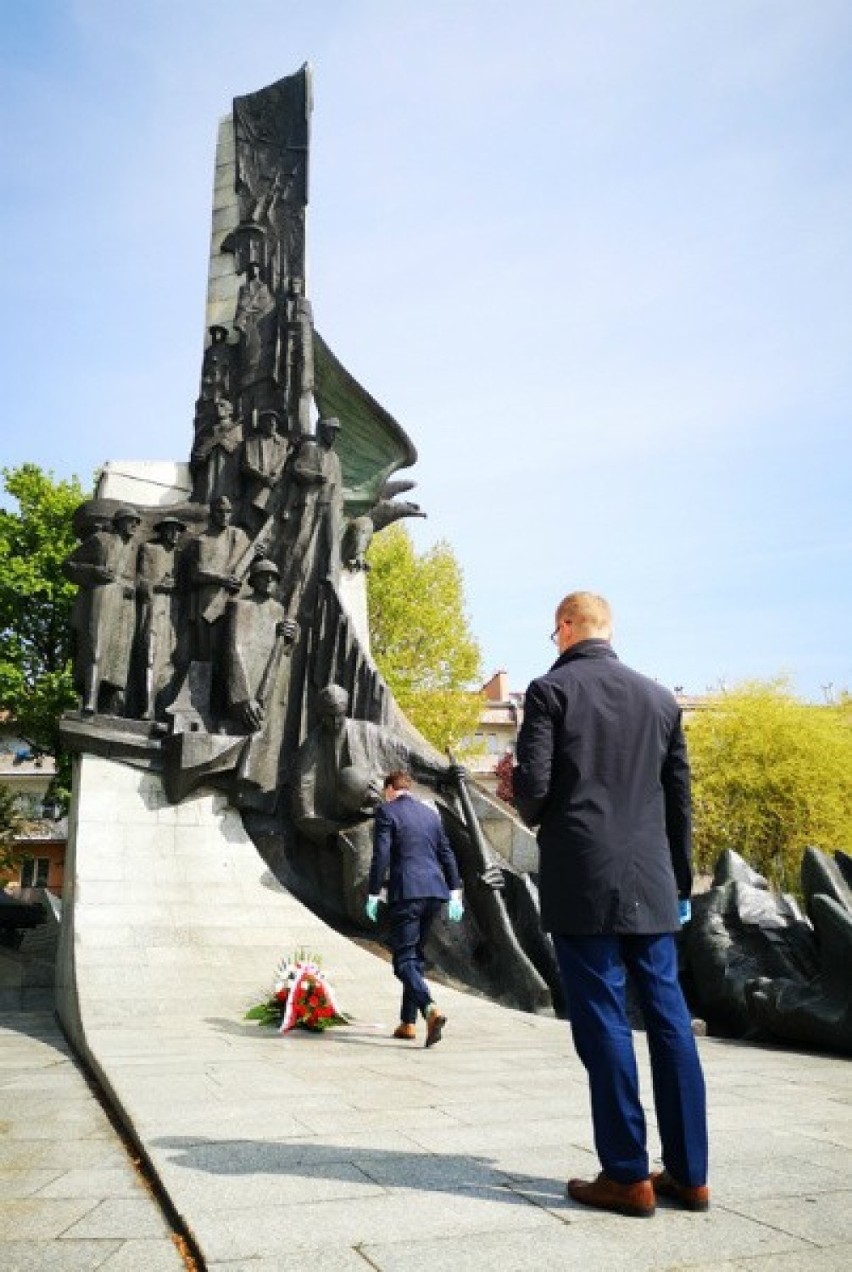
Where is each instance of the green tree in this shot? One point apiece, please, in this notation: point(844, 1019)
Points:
point(10, 826)
point(771, 774)
point(35, 602)
point(420, 636)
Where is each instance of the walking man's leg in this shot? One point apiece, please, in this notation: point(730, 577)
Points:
point(410, 924)
point(404, 939)
point(408, 1009)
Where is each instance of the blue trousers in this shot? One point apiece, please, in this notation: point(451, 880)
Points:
point(593, 976)
point(410, 922)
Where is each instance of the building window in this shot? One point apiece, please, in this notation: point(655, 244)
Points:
point(34, 872)
point(29, 806)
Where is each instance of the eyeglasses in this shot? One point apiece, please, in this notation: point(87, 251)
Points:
point(554, 635)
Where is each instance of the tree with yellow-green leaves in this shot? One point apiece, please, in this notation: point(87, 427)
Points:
point(420, 636)
point(771, 775)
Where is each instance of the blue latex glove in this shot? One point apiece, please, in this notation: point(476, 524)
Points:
point(684, 911)
point(371, 909)
point(455, 909)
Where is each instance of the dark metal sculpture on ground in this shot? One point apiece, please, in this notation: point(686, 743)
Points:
point(16, 917)
point(758, 967)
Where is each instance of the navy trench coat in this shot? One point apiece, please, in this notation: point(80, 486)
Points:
point(602, 771)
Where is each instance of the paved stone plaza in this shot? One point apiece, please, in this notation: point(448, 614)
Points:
point(348, 1150)
point(352, 1151)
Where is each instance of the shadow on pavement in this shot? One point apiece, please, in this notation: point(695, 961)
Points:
point(425, 1172)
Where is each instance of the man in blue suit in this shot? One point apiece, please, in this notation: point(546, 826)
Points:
point(412, 853)
point(602, 771)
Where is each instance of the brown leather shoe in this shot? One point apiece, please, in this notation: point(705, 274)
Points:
point(408, 1032)
point(635, 1200)
point(689, 1198)
point(434, 1027)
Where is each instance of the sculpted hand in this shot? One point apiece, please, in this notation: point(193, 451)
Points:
point(249, 713)
point(371, 909)
point(449, 779)
point(492, 877)
point(684, 911)
point(455, 909)
point(372, 797)
point(288, 629)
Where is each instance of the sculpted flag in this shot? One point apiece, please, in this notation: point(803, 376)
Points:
point(372, 445)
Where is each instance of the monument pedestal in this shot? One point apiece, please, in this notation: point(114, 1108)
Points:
point(169, 914)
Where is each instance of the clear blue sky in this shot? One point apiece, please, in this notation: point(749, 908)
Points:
point(594, 255)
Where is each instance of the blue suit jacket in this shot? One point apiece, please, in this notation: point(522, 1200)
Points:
point(412, 851)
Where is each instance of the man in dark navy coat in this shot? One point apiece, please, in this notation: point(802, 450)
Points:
point(602, 771)
point(412, 853)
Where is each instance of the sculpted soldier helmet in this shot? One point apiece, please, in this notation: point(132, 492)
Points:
point(264, 566)
point(125, 512)
point(328, 430)
point(170, 521)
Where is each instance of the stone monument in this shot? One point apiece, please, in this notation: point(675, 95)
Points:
point(221, 635)
point(222, 643)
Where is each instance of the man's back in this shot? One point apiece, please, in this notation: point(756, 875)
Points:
point(411, 846)
point(602, 768)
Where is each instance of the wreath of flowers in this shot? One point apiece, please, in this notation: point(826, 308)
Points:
point(301, 997)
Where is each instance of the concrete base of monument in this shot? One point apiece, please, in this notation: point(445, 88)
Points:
point(169, 914)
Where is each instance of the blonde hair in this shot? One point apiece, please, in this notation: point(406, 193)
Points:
point(590, 614)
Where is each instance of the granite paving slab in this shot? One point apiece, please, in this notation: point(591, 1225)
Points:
point(70, 1199)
